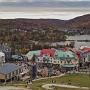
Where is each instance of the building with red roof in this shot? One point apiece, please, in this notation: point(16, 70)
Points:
point(86, 49)
point(49, 52)
point(85, 56)
point(77, 52)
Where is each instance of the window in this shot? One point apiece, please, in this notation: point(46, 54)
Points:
point(61, 61)
point(68, 61)
point(20, 70)
point(6, 76)
point(13, 73)
point(9, 75)
point(16, 72)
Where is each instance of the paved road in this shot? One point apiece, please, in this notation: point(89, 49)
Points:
point(50, 86)
point(12, 88)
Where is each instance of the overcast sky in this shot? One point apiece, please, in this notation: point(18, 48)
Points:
point(40, 9)
point(37, 0)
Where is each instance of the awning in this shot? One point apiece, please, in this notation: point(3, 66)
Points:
point(69, 66)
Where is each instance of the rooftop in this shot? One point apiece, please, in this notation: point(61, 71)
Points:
point(65, 54)
point(8, 67)
point(37, 52)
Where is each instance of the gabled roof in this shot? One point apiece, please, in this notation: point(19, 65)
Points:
point(65, 54)
point(86, 49)
point(77, 52)
point(30, 54)
point(8, 68)
point(49, 52)
point(37, 52)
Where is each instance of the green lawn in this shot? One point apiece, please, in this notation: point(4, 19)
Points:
point(73, 79)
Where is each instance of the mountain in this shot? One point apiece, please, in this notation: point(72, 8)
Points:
point(21, 23)
point(80, 22)
point(24, 33)
point(28, 24)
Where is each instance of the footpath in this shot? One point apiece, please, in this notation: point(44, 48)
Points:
point(51, 86)
point(49, 77)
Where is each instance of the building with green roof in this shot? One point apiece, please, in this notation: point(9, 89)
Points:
point(61, 55)
point(30, 54)
point(67, 59)
point(64, 59)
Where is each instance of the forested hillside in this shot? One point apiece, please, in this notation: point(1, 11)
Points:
point(22, 33)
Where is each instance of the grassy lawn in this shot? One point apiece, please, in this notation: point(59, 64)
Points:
point(15, 83)
point(73, 79)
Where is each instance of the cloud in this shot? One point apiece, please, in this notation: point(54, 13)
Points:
point(38, 0)
point(61, 0)
point(16, 0)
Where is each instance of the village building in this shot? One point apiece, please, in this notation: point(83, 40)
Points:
point(30, 54)
point(9, 71)
point(58, 60)
point(7, 50)
point(2, 58)
point(67, 60)
point(85, 57)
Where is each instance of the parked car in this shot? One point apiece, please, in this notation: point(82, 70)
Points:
point(17, 58)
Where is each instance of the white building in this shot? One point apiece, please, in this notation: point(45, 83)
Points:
point(2, 57)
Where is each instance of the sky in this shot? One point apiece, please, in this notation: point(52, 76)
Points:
point(42, 15)
point(38, 9)
point(38, 0)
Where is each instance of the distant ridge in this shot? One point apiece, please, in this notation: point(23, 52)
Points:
point(22, 33)
point(78, 22)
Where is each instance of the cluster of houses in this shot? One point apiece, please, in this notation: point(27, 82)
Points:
point(61, 58)
point(11, 69)
point(64, 58)
point(45, 60)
